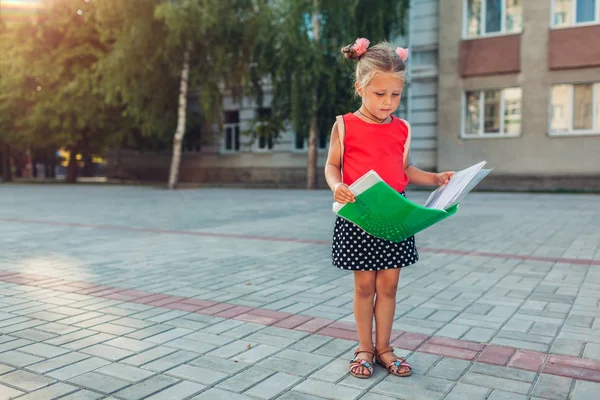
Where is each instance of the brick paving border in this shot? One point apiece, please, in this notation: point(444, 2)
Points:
point(560, 365)
point(580, 261)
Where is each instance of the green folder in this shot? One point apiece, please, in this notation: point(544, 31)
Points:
point(384, 213)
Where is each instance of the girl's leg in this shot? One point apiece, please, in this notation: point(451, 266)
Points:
point(386, 285)
point(364, 293)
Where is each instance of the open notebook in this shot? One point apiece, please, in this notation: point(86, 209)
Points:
point(383, 212)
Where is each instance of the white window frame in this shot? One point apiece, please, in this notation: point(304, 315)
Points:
point(256, 145)
point(483, 34)
point(595, 106)
point(224, 148)
point(255, 148)
point(574, 24)
point(304, 149)
point(482, 134)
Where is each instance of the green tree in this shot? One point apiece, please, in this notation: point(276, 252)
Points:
point(165, 49)
point(54, 97)
point(298, 49)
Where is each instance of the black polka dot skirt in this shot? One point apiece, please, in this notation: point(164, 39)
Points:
point(356, 250)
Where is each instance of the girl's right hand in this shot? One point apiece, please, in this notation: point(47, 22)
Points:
point(342, 194)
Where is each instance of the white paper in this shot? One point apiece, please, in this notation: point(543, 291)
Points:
point(360, 185)
point(458, 187)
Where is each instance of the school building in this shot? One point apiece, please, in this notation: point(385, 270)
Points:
point(513, 82)
point(519, 86)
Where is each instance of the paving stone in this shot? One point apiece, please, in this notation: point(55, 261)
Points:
point(462, 296)
point(243, 330)
point(421, 362)
point(34, 335)
point(99, 382)
point(219, 364)
point(232, 349)
point(586, 390)
point(168, 335)
point(568, 347)
point(306, 358)
point(190, 345)
point(398, 390)
point(107, 352)
point(450, 369)
point(453, 330)
point(9, 393)
point(14, 344)
point(180, 391)
point(502, 395)
point(494, 382)
point(271, 340)
point(332, 372)
point(216, 393)
point(170, 361)
point(57, 362)
point(149, 356)
point(78, 368)
point(202, 375)
point(146, 388)
point(18, 359)
point(210, 338)
point(129, 344)
point(504, 372)
point(327, 390)
point(50, 392)
point(5, 368)
point(552, 387)
point(70, 337)
point(256, 353)
point(126, 372)
point(149, 332)
point(592, 351)
point(25, 381)
point(88, 341)
point(310, 343)
point(462, 391)
point(273, 386)
point(479, 335)
point(245, 379)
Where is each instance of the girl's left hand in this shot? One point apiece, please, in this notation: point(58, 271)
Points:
point(443, 177)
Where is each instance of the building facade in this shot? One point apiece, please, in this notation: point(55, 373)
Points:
point(512, 82)
point(519, 86)
point(235, 158)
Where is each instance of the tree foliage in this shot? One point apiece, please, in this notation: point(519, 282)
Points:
point(295, 63)
point(89, 74)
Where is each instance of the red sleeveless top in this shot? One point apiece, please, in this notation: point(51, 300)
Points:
point(378, 147)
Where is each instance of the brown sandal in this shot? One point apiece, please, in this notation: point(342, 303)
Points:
point(395, 365)
point(358, 362)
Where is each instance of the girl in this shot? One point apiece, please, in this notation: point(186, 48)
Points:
point(372, 138)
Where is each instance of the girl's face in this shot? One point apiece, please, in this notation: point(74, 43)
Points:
point(381, 97)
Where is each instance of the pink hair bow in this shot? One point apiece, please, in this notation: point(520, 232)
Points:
point(360, 46)
point(403, 53)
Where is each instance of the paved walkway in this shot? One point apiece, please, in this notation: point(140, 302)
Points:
point(140, 293)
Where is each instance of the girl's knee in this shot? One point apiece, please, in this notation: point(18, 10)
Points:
point(387, 289)
point(364, 289)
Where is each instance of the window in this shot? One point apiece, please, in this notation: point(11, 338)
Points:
point(492, 17)
point(424, 58)
point(301, 142)
point(492, 113)
point(567, 13)
point(265, 139)
point(575, 109)
point(231, 127)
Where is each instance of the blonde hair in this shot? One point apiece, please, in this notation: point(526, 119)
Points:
point(381, 58)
